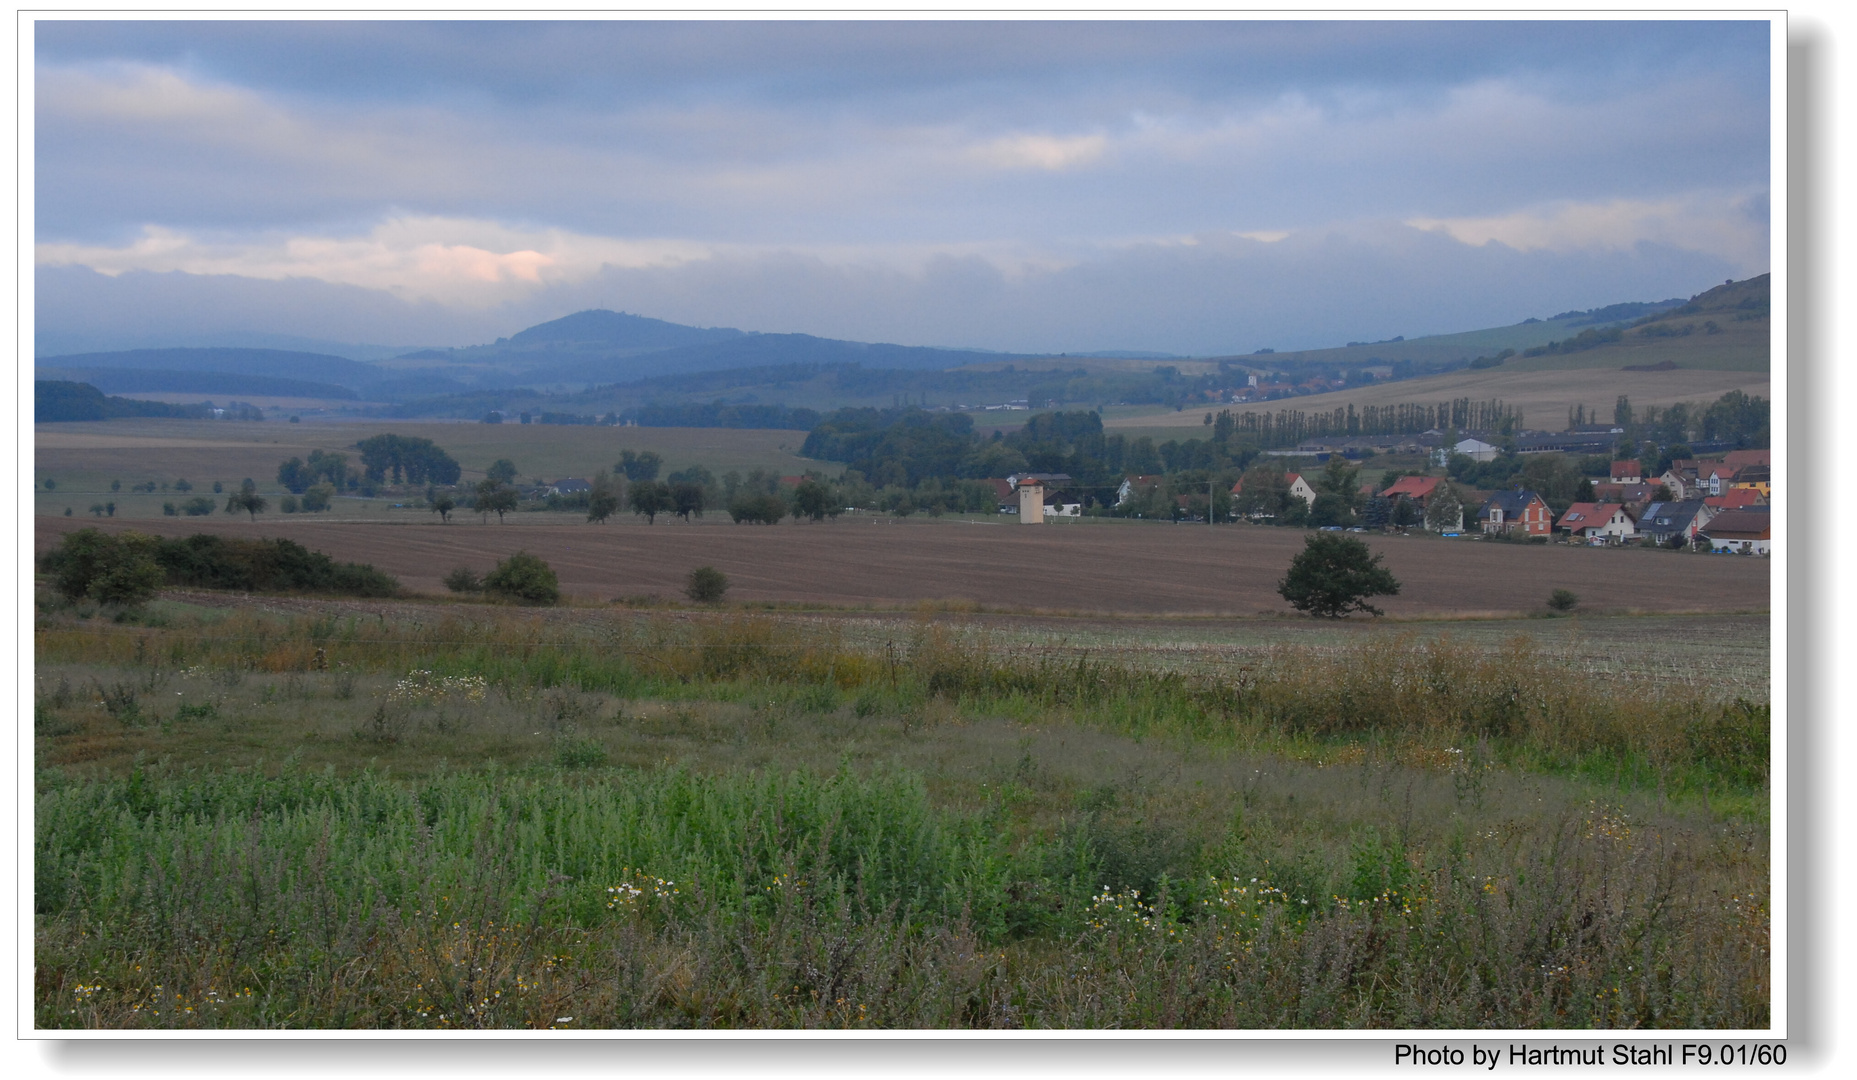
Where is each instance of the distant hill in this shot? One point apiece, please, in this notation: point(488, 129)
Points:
point(217, 383)
point(617, 328)
point(272, 363)
point(59, 400)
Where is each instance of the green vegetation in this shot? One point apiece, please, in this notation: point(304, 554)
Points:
point(1334, 575)
point(706, 585)
point(57, 400)
point(117, 569)
point(727, 821)
point(525, 579)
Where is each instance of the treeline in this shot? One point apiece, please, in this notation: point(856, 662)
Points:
point(1287, 427)
point(907, 448)
point(718, 415)
point(56, 400)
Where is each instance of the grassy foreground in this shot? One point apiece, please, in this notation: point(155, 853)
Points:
point(501, 820)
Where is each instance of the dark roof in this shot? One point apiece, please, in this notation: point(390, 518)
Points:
point(1747, 521)
point(1511, 502)
point(1668, 518)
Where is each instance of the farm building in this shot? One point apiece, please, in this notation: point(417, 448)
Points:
point(1747, 531)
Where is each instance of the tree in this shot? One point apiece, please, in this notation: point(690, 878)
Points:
point(318, 497)
point(502, 470)
point(640, 466)
point(602, 500)
point(118, 570)
point(443, 504)
point(524, 578)
point(1563, 600)
point(494, 496)
point(414, 460)
point(1334, 575)
point(246, 498)
point(751, 506)
point(650, 498)
point(687, 499)
point(811, 499)
point(1445, 511)
point(295, 476)
point(706, 585)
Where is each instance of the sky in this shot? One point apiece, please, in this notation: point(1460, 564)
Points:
point(1199, 188)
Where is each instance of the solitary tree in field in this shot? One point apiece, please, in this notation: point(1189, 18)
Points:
point(1334, 575)
point(246, 498)
point(443, 504)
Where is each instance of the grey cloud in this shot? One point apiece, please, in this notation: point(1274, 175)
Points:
point(1221, 295)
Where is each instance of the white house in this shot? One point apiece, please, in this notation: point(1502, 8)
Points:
point(1476, 450)
point(1301, 488)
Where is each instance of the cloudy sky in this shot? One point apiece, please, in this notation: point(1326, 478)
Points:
point(1190, 187)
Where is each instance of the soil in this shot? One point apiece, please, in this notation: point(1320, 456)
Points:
point(1133, 568)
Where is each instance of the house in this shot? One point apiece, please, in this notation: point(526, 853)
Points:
point(1747, 531)
point(1682, 483)
point(1736, 459)
point(1756, 477)
point(1134, 487)
point(1301, 488)
point(1002, 494)
point(570, 486)
point(1607, 522)
point(1516, 511)
point(1735, 499)
point(1716, 477)
point(1666, 523)
point(1419, 489)
point(1627, 472)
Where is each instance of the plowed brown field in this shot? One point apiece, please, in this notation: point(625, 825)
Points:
point(1120, 567)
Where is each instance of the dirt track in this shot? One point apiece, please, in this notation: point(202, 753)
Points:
point(1134, 568)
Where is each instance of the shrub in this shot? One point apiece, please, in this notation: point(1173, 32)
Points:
point(524, 578)
point(120, 570)
point(1563, 600)
point(464, 580)
point(216, 562)
point(706, 585)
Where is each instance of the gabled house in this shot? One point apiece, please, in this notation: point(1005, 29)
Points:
point(1134, 487)
point(1588, 521)
point(570, 486)
point(1716, 477)
point(1682, 484)
point(1736, 459)
point(1301, 488)
point(1419, 489)
point(1744, 532)
point(1516, 511)
point(1627, 472)
point(1665, 523)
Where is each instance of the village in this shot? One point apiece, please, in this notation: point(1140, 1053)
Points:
point(1719, 506)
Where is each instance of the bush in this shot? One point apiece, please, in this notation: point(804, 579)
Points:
point(464, 580)
point(1334, 575)
point(758, 508)
point(120, 570)
point(216, 562)
point(1563, 600)
point(525, 579)
point(706, 585)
